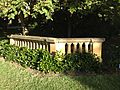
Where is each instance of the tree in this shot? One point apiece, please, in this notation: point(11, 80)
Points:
point(26, 8)
point(106, 10)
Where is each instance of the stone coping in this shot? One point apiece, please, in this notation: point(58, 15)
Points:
point(76, 40)
point(32, 38)
point(57, 40)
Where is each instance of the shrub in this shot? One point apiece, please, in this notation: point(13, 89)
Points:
point(112, 57)
point(42, 60)
point(83, 62)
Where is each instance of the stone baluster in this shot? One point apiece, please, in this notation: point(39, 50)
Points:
point(25, 43)
point(86, 46)
point(33, 45)
point(28, 44)
point(46, 46)
point(69, 47)
point(75, 47)
point(15, 42)
point(43, 45)
point(22, 43)
point(18, 44)
point(81, 43)
point(37, 45)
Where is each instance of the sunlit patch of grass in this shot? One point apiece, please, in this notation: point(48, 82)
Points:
point(17, 78)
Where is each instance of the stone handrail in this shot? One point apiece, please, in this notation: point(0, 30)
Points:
point(65, 45)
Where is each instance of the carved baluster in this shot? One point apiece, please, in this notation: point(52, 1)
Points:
point(37, 45)
point(69, 47)
point(86, 46)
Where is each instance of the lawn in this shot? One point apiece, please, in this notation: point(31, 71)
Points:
point(13, 77)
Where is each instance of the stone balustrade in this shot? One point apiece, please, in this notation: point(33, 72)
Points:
point(32, 42)
point(65, 45)
point(71, 45)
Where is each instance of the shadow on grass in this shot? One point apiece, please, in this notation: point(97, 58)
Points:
point(64, 82)
point(99, 82)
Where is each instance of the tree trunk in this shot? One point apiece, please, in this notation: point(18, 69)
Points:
point(24, 28)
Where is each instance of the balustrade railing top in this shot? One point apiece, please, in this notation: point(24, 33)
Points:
point(71, 40)
point(32, 38)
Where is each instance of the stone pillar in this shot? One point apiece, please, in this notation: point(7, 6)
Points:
point(97, 48)
point(53, 48)
point(60, 47)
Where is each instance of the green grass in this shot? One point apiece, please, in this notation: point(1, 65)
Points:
point(17, 78)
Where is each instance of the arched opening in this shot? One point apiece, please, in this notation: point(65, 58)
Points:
point(83, 47)
point(72, 48)
point(78, 47)
point(66, 48)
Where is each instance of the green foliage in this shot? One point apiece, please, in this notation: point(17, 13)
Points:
point(44, 7)
point(112, 56)
point(83, 62)
point(3, 41)
point(11, 8)
point(42, 60)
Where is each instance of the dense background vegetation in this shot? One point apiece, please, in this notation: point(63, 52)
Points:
point(62, 18)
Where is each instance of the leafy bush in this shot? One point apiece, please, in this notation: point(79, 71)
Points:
point(112, 57)
point(42, 60)
point(83, 62)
